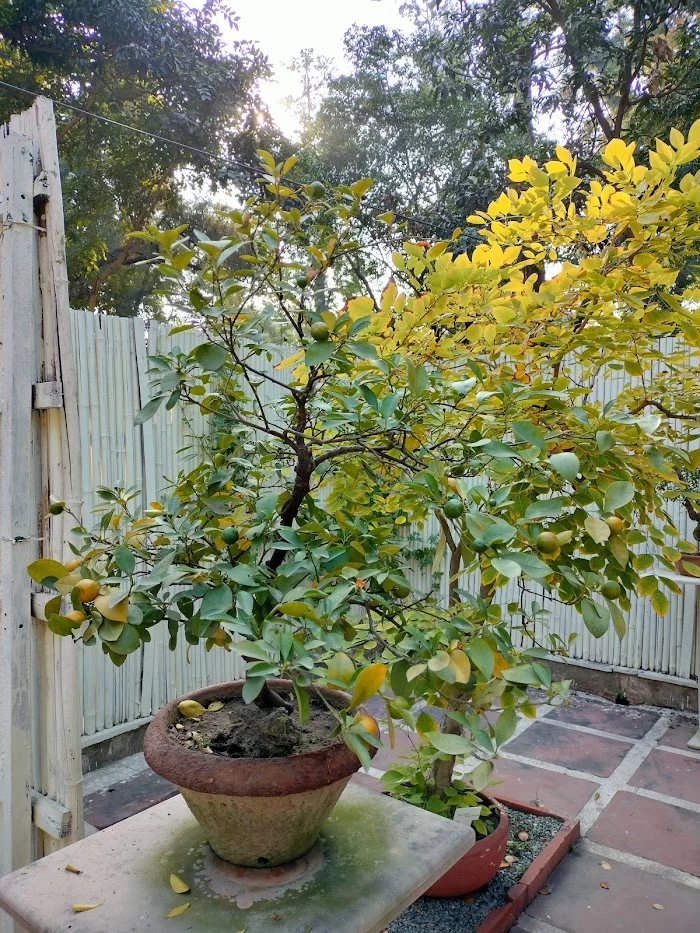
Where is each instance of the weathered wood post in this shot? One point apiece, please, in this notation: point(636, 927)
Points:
point(40, 756)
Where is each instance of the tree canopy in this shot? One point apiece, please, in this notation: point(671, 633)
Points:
point(162, 67)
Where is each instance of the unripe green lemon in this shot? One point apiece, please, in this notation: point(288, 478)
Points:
point(319, 331)
point(547, 542)
point(479, 545)
point(230, 535)
point(610, 589)
point(454, 507)
point(301, 281)
point(316, 189)
point(615, 524)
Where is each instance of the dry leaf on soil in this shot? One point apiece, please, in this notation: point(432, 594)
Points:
point(511, 859)
point(81, 908)
point(176, 911)
point(215, 706)
point(178, 885)
point(604, 884)
point(191, 708)
point(523, 836)
point(504, 865)
point(73, 870)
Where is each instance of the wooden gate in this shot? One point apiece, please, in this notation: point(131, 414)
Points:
point(40, 726)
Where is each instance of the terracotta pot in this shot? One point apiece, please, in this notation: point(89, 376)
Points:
point(257, 812)
point(688, 559)
point(479, 865)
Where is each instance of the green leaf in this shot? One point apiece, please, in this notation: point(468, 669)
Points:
point(124, 559)
point(210, 356)
point(523, 674)
point(498, 449)
point(660, 603)
point(619, 550)
point(618, 494)
point(366, 351)
point(618, 620)
point(369, 396)
point(318, 352)
point(545, 508)
point(440, 661)
point(250, 649)
point(46, 571)
point(216, 602)
point(481, 775)
point(481, 654)
point(251, 688)
point(530, 433)
point(59, 625)
point(567, 465)
point(425, 724)
point(149, 409)
point(243, 574)
point(129, 640)
point(296, 610)
point(647, 585)
point(505, 725)
point(595, 616)
point(596, 529)
point(450, 744)
point(417, 378)
point(605, 441)
point(508, 568)
point(356, 745)
point(341, 668)
point(531, 565)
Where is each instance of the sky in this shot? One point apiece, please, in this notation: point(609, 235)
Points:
point(283, 29)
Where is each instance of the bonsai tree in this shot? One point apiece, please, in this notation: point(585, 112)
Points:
point(465, 391)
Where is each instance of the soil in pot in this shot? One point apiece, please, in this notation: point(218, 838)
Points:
point(241, 730)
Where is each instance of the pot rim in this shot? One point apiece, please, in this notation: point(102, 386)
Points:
point(245, 777)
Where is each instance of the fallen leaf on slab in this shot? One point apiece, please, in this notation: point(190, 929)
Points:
point(81, 908)
point(658, 907)
point(596, 796)
point(73, 870)
point(176, 911)
point(544, 891)
point(604, 884)
point(523, 836)
point(178, 885)
point(606, 865)
point(215, 706)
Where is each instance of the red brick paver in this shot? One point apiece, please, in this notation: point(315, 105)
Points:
point(608, 717)
point(671, 774)
point(560, 793)
point(580, 751)
point(578, 904)
point(654, 830)
point(679, 733)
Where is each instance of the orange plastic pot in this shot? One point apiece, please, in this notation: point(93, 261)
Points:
point(479, 865)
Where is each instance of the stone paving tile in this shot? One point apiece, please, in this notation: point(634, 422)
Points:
point(560, 793)
point(671, 774)
point(116, 803)
point(679, 732)
point(577, 903)
point(654, 830)
point(403, 745)
point(368, 781)
point(580, 751)
point(608, 717)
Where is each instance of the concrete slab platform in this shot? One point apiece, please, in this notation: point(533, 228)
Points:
point(375, 857)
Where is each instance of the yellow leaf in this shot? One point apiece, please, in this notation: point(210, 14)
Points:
point(216, 705)
point(368, 683)
point(178, 885)
point(460, 664)
point(81, 908)
point(176, 911)
point(694, 133)
point(615, 151)
point(290, 360)
point(676, 138)
point(73, 870)
point(340, 667)
point(117, 613)
point(191, 708)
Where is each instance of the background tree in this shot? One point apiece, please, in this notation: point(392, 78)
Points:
point(162, 67)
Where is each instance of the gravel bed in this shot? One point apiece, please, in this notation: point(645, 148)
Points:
point(464, 914)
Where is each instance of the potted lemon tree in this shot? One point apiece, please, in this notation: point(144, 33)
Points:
point(463, 392)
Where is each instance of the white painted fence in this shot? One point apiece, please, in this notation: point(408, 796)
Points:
point(113, 383)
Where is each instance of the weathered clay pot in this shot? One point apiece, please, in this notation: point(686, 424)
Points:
point(257, 812)
point(479, 865)
point(688, 559)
